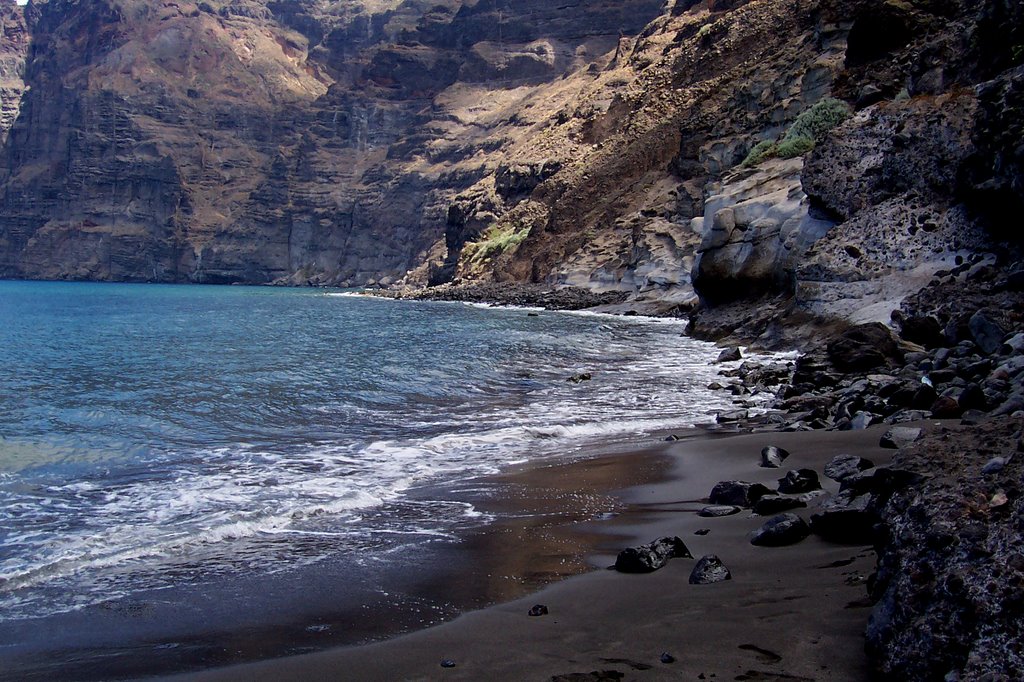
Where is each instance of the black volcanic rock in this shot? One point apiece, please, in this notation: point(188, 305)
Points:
point(651, 557)
point(737, 493)
point(784, 529)
point(709, 570)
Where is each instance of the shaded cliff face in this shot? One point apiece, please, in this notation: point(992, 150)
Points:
point(268, 141)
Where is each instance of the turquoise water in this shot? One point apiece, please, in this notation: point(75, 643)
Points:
point(154, 437)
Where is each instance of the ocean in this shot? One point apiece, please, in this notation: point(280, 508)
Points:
point(186, 457)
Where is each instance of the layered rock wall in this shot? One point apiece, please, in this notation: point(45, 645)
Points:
point(268, 141)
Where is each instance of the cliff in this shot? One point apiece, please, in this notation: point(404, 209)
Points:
point(595, 144)
point(14, 41)
point(251, 141)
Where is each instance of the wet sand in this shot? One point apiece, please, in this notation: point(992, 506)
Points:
point(789, 613)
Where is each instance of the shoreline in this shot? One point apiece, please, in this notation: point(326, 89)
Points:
point(797, 610)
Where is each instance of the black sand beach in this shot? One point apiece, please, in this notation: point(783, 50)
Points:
point(794, 612)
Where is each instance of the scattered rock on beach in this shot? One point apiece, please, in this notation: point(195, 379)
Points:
point(776, 504)
point(772, 457)
point(667, 658)
point(651, 557)
point(799, 481)
point(718, 510)
point(842, 467)
point(447, 663)
point(538, 610)
point(708, 570)
point(737, 493)
point(899, 437)
point(784, 529)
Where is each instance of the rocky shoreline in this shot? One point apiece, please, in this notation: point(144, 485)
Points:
point(516, 295)
point(948, 588)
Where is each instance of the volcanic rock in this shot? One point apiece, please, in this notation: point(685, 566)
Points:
point(842, 467)
point(708, 570)
point(737, 493)
point(784, 529)
point(772, 457)
point(651, 557)
point(799, 481)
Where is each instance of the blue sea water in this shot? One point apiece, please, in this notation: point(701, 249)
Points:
point(154, 436)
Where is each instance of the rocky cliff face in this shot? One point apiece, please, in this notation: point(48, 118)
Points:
point(268, 141)
point(615, 146)
point(13, 51)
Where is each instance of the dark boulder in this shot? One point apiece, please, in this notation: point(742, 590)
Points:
point(784, 529)
point(986, 332)
point(799, 481)
point(538, 610)
point(737, 493)
point(775, 504)
point(864, 347)
point(882, 481)
point(730, 355)
point(651, 557)
point(708, 570)
point(946, 407)
point(925, 331)
point(842, 467)
point(772, 457)
point(847, 518)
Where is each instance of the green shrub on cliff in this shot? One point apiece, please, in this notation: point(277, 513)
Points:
point(809, 128)
point(495, 242)
point(791, 147)
point(816, 122)
point(762, 151)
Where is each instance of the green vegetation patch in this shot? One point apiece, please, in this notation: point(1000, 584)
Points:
point(494, 243)
point(809, 128)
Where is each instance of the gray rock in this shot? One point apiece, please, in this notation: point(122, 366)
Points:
point(799, 481)
point(986, 332)
point(994, 466)
point(651, 557)
point(717, 511)
point(1014, 403)
point(1013, 345)
point(899, 437)
point(772, 457)
point(730, 355)
point(708, 570)
point(862, 420)
point(842, 467)
point(775, 504)
point(784, 529)
point(737, 493)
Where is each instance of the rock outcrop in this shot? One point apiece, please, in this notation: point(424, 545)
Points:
point(950, 580)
